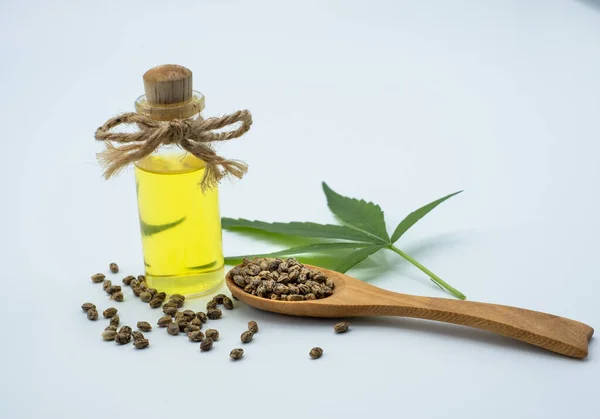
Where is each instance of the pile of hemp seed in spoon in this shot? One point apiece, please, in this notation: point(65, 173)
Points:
point(277, 279)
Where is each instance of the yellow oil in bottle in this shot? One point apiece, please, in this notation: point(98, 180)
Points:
point(180, 225)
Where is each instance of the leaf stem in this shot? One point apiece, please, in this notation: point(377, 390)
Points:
point(433, 276)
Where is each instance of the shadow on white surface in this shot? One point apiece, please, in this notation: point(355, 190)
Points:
point(594, 4)
point(471, 336)
point(430, 333)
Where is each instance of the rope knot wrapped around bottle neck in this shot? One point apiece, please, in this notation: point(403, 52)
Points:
point(194, 136)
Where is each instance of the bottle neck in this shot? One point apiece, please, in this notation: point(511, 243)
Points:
point(171, 155)
point(189, 109)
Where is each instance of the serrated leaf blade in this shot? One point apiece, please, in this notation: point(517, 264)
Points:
point(311, 248)
point(295, 228)
point(412, 218)
point(358, 214)
point(356, 257)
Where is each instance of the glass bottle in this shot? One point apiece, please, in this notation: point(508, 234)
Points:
point(180, 224)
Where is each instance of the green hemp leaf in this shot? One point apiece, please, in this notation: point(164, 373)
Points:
point(363, 231)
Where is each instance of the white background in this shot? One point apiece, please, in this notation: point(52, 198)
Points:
point(398, 102)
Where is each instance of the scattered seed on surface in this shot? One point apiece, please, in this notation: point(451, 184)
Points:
point(106, 285)
point(316, 353)
point(227, 303)
point(206, 344)
point(196, 322)
point(160, 295)
point(170, 304)
point(114, 268)
point(144, 326)
point(137, 335)
point(111, 327)
point(141, 343)
point(183, 324)
point(196, 336)
point(189, 314)
point(253, 326)
point(114, 288)
point(202, 316)
point(164, 321)
point(173, 297)
point(236, 353)
point(88, 306)
point(152, 291)
point(191, 328)
point(114, 320)
point(136, 291)
point(212, 304)
point(177, 302)
point(219, 298)
point(155, 302)
point(173, 329)
point(123, 338)
point(145, 296)
point(341, 327)
point(109, 312)
point(171, 311)
point(97, 278)
point(141, 278)
point(214, 314)
point(127, 280)
point(92, 314)
point(213, 334)
point(118, 297)
point(109, 334)
point(125, 329)
point(247, 336)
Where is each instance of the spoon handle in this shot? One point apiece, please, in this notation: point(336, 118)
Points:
point(557, 334)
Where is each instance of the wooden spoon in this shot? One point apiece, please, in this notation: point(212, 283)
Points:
point(352, 298)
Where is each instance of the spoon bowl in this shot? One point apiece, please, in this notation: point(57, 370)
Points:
point(352, 297)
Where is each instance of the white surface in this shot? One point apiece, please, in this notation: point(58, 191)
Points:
point(396, 102)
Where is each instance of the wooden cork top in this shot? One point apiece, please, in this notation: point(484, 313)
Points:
point(168, 84)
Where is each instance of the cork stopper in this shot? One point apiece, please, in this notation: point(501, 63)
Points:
point(169, 94)
point(168, 84)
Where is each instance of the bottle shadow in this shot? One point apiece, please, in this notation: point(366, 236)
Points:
point(456, 332)
point(594, 4)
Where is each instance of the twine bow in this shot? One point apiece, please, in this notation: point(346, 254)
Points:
point(194, 136)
